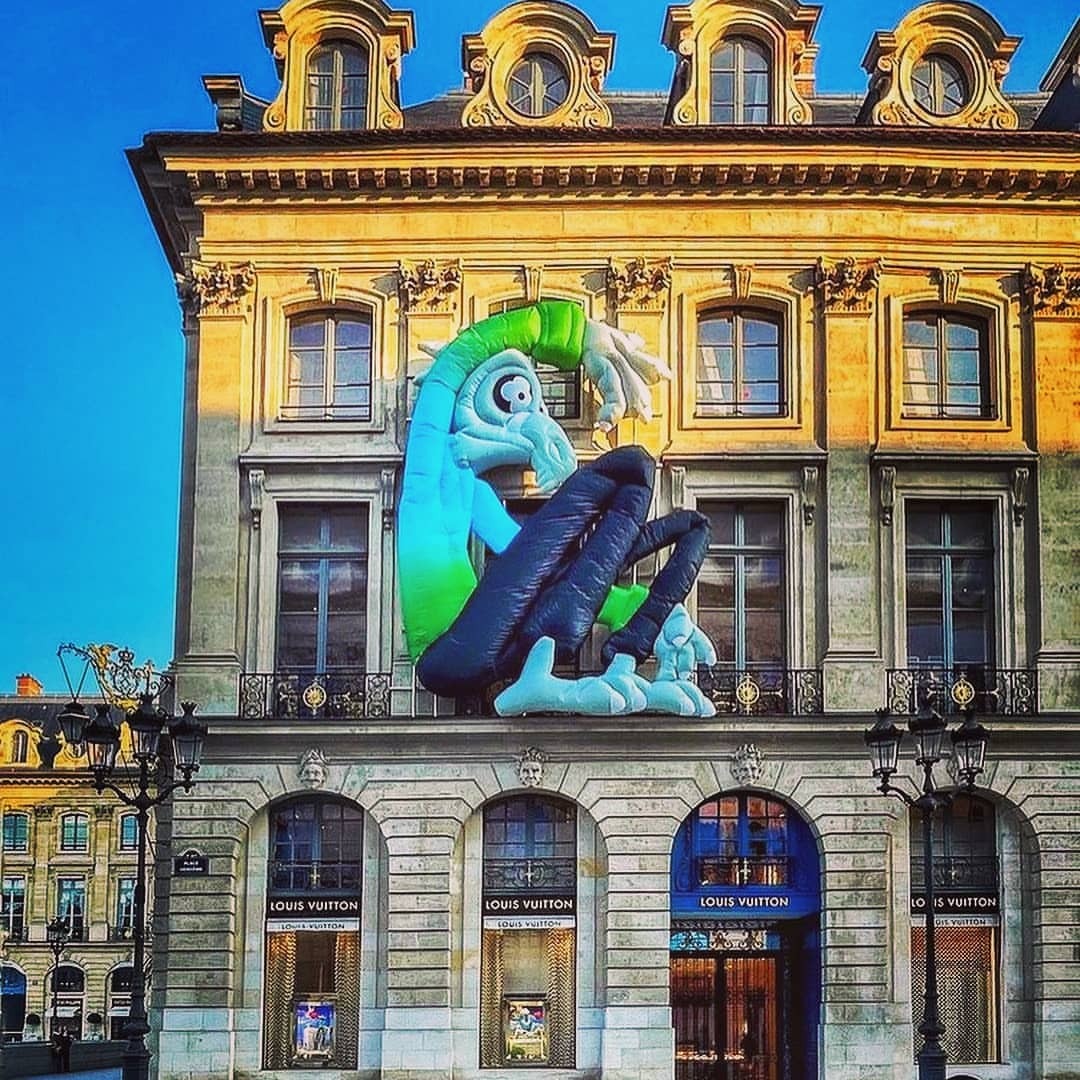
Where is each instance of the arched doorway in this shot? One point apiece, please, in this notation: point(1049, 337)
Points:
point(745, 942)
point(68, 984)
point(119, 1000)
point(12, 1003)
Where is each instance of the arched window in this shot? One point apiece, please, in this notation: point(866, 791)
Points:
point(12, 1003)
point(316, 846)
point(946, 366)
point(129, 832)
point(74, 832)
point(119, 1001)
point(538, 85)
point(337, 87)
point(68, 983)
point(16, 831)
point(939, 84)
point(967, 883)
point(740, 840)
point(20, 748)
point(528, 965)
point(329, 367)
point(739, 82)
point(739, 364)
point(68, 979)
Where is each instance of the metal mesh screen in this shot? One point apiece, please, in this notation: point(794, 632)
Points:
point(491, 991)
point(277, 1000)
point(560, 950)
point(347, 987)
point(967, 989)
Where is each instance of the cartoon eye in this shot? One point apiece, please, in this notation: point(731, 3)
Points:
point(513, 394)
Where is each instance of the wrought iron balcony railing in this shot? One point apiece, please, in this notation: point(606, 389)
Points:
point(753, 870)
point(529, 875)
point(286, 695)
point(962, 873)
point(13, 932)
point(762, 692)
point(123, 932)
point(995, 691)
point(323, 877)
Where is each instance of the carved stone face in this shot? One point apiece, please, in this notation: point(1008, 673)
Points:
point(530, 772)
point(312, 771)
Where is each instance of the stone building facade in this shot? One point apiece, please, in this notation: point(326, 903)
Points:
point(66, 853)
point(871, 308)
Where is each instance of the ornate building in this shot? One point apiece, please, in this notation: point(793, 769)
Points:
point(871, 309)
point(66, 854)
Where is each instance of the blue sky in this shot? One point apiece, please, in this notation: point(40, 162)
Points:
point(94, 360)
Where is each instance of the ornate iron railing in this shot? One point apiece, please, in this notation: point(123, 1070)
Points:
point(959, 872)
point(339, 877)
point(997, 691)
point(285, 695)
point(14, 932)
point(753, 870)
point(762, 692)
point(529, 875)
point(123, 932)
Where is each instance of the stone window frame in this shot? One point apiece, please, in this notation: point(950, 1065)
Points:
point(15, 848)
point(990, 310)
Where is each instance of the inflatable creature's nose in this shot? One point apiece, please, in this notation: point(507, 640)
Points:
point(552, 458)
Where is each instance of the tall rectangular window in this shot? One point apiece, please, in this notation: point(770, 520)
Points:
point(946, 366)
point(322, 588)
point(125, 904)
point(129, 832)
point(13, 907)
point(950, 585)
point(741, 598)
point(16, 832)
point(74, 832)
point(739, 364)
point(71, 905)
point(329, 368)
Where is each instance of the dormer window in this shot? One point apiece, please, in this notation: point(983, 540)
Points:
point(939, 85)
point(337, 87)
point(739, 81)
point(539, 84)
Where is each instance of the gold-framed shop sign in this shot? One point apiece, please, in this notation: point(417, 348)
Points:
point(525, 1030)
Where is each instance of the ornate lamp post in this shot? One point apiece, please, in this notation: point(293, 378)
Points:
point(57, 933)
point(928, 730)
point(99, 737)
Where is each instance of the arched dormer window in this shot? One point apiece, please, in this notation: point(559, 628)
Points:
point(539, 84)
point(939, 84)
point(328, 375)
point(337, 87)
point(739, 78)
point(739, 363)
point(20, 748)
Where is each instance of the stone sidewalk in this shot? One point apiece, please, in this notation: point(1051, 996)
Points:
point(94, 1074)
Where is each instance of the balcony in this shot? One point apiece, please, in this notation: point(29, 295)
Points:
point(762, 692)
point(123, 932)
point(339, 695)
point(323, 877)
point(990, 691)
point(540, 876)
point(14, 933)
point(958, 873)
point(753, 870)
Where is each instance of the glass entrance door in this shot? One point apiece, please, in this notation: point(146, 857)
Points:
point(725, 1009)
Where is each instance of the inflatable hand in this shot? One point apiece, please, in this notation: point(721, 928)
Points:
point(617, 364)
point(681, 647)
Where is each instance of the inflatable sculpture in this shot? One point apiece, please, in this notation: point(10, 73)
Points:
point(480, 406)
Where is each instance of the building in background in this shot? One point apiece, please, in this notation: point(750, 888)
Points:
point(66, 853)
point(871, 306)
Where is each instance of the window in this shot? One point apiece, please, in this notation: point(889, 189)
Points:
point(739, 81)
point(946, 366)
point(13, 907)
point(322, 588)
point(71, 905)
point(939, 85)
point(950, 583)
point(16, 832)
point(740, 840)
point(561, 389)
point(74, 833)
point(329, 372)
point(740, 599)
point(69, 982)
point(316, 845)
point(129, 832)
point(965, 847)
point(119, 1001)
point(738, 364)
point(337, 88)
point(125, 905)
point(539, 84)
point(20, 748)
point(529, 827)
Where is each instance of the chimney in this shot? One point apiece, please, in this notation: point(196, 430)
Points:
point(27, 686)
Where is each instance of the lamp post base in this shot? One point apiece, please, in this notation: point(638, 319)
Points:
point(136, 1062)
point(931, 1059)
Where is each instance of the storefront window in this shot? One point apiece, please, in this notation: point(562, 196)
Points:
point(527, 991)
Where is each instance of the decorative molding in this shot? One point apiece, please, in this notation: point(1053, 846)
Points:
point(1053, 290)
point(388, 490)
point(747, 764)
point(534, 282)
point(640, 285)
point(848, 286)
point(216, 289)
point(809, 493)
point(256, 492)
point(949, 283)
point(42, 812)
point(326, 279)
point(530, 766)
point(430, 287)
point(678, 487)
point(741, 279)
point(970, 38)
point(887, 479)
point(103, 813)
point(1020, 478)
point(311, 768)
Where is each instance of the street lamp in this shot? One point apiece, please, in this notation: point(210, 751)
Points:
point(99, 739)
point(57, 933)
point(928, 730)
